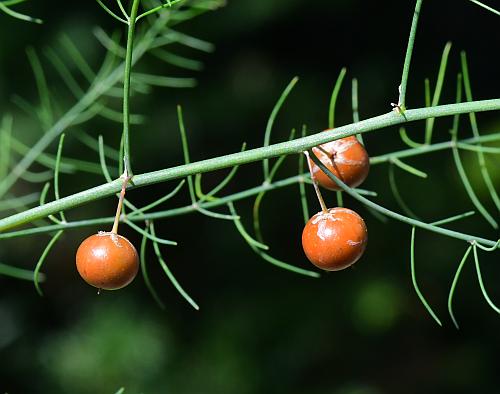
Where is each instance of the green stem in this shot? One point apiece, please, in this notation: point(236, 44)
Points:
point(409, 51)
point(126, 86)
point(423, 149)
point(333, 98)
point(302, 188)
point(475, 131)
point(480, 280)
point(17, 15)
point(19, 273)
point(414, 279)
point(295, 146)
point(272, 118)
point(161, 214)
point(485, 7)
point(429, 123)
point(454, 285)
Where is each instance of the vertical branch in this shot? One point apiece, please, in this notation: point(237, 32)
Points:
point(185, 152)
point(333, 98)
point(45, 111)
point(397, 195)
point(5, 139)
point(355, 106)
point(340, 199)
point(414, 279)
point(302, 188)
point(354, 101)
point(169, 273)
point(126, 87)
point(475, 131)
point(409, 51)
point(454, 285)
point(120, 5)
point(270, 122)
point(459, 166)
point(429, 122)
point(144, 270)
point(41, 260)
point(56, 173)
point(427, 88)
point(480, 280)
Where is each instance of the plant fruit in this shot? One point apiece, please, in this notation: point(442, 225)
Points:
point(346, 158)
point(107, 261)
point(335, 239)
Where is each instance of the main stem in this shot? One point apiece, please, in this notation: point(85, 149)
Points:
point(409, 51)
point(126, 86)
point(295, 146)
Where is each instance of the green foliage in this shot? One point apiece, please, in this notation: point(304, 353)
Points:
point(150, 31)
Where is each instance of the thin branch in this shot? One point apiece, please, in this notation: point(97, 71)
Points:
point(409, 51)
point(41, 260)
point(169, 273)
point(111, 12)
point(144, 271)
point(126, 86)
point(17, 15)
point(481, 284)
point(475, 130)
point(169, 4)
point(414, 279)
point(333, 98)
point(391, 214)
point(270, 121)
point(107, 77)
point(485, 7)
point(429, 123)
point(454, 285)
point(19, 273)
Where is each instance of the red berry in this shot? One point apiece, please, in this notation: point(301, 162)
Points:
point(107, 261)
point(346, 158)
point(334, 240)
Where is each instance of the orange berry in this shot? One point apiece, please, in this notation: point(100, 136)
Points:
point(107, 261)
point(334, 240)
point(346, 158)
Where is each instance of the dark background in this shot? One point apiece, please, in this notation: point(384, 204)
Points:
point(260, 329)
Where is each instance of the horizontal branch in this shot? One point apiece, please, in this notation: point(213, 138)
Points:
point(284, 148)
point(161, 214)
point(423, 149)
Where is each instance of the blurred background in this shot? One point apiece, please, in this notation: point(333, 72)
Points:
point(261, 329)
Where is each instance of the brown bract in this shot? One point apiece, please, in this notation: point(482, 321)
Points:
point(107, 261)
point(334, 240)
point(346, 158)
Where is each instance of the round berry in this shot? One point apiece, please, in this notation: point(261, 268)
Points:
point(107, 261)
point(346, 158)
point(334, 240)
